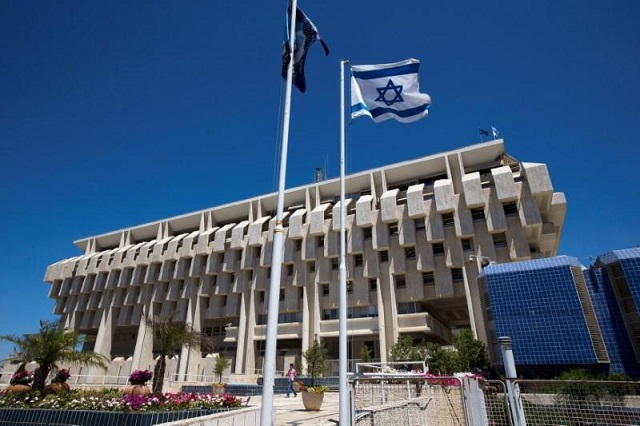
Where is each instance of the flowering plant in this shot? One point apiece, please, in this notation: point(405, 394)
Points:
point(21, 377)
point(112, 400)
point(140, 377)
point(316, 389)
point(61, 376)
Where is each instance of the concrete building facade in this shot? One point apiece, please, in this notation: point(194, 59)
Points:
point(416, 234)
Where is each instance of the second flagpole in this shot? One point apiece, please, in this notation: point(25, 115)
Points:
point(344, 406)
point(267, 413)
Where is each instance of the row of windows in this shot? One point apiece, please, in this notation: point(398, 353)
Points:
point(477, 214)
point(355, 312)
point(283, 318)
point(448, 220)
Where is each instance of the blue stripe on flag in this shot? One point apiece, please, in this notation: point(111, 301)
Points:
point(376, 112)
point(388, 72)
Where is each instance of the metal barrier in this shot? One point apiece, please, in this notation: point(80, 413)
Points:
point(408, 401)
point(563, 402)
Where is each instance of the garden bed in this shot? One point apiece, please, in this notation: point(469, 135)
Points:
point(109, 407)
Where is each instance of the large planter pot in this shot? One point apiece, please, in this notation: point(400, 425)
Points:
point(136, 390)
point(19, 388)
point(312, 400)
point(217, 389)
point(56, 388)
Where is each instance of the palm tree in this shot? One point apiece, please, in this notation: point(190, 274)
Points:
point(52, 345)
point(169, 337)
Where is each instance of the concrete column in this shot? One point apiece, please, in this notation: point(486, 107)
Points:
point(241, 340)
point(143, 352)
point(102, 346)
point(190, 356)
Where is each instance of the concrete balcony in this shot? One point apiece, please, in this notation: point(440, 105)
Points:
point(424, 323)
point(355, 326)
point(292, 330)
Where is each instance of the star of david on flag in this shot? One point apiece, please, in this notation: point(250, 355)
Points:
point(387, 91)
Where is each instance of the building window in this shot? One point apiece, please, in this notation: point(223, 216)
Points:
point(510, 209)
point(438, 249)
point(289, 270)
point(428, 278)
point(249, 274)
point(329, 314)
point(224, 300)
point(373, 284)
point(401, 281)
point(334, 263)
point(393, 229)
point(477, 214)
point(410, 253)
point(349, 287)
point(384, 256)
point(298, 245)
point(258, 252)
point(447, 219)
point(261, 294)
point(419, 224)
point(467, 244)
point(281, 294)
point(500, 240)
point(358, 260)
point(457, 275)
point(409, 308)
point(312, 267)
point(367, 232)
point(268, 272)
point(321, 241)
point(325, 289)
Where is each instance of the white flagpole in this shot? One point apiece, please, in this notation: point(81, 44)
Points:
point(344, 406)
point(266, 415)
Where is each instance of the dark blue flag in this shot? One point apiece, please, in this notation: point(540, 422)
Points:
point(305, 35)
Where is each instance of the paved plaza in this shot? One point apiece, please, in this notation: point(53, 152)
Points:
point(290, 411)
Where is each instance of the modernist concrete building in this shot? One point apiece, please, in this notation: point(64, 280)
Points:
point(562, 315)
point(417, 232)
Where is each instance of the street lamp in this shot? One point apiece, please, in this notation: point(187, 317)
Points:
point(483, 260)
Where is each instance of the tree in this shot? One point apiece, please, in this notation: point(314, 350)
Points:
point(297, 363)
point(365, 353)
point(440, 360)
point(315, 357)
point(471, 352)
point(169, 337)
point(51, 346)
point(405, 350)
point(222, 363)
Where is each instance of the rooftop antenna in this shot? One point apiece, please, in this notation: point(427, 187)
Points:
point(319, 175)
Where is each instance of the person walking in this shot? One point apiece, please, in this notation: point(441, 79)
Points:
point(291, 376)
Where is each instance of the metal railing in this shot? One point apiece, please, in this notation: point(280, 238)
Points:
point(580, 402)
point(408, 401)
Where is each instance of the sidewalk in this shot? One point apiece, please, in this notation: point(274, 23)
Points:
point(290, 411)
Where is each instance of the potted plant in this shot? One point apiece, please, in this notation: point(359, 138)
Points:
point(222, 363)
point(138, 380)
point(20, 381)
point(313, 396)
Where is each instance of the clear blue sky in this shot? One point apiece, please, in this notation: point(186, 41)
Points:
point(118, 113)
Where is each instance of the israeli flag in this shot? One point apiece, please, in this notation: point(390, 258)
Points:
point(388, 91)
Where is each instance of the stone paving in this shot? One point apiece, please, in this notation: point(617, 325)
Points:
point(290, 411)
